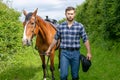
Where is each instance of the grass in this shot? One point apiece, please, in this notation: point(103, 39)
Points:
point(26, 65)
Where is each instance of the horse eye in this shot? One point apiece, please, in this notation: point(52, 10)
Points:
point(32, 23)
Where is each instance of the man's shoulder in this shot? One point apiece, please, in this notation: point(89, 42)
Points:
point(64, 23)
point(78, 23)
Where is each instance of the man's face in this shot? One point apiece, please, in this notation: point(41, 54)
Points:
point(70, 15)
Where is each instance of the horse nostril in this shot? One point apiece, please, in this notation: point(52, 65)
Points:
point(28, 42)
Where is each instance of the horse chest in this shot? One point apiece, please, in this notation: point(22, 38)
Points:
point(41, 44)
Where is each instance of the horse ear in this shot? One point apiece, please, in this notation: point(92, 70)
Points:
point(24, 12)
point(35, 12)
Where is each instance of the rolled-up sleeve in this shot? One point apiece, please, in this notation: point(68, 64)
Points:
point(57, 35)
point(83, 34)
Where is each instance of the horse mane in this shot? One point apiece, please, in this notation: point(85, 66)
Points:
point(45, 28)
point(45, 22)
point(29, 15)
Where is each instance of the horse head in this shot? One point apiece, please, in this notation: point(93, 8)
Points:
point(29, 27)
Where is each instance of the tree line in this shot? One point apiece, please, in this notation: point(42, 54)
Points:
point(101, 18)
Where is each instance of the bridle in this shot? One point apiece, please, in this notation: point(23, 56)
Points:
point(33, 26)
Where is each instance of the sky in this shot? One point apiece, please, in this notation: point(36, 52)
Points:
point(53, 8)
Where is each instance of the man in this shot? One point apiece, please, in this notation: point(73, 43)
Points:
point(69, 33)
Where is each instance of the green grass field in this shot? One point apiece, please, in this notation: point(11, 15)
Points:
point(27, 66)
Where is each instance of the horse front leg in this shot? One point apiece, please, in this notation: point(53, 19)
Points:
point(43, 66)
point(52, 65)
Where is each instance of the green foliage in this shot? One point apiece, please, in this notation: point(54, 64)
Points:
point(60, 21)
point(90, 15)
point(9, 31)
point(102, 21)
point(112, 18)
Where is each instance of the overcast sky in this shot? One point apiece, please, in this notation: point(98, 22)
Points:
point(53, 8)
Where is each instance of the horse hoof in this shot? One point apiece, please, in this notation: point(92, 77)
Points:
point(44, 79)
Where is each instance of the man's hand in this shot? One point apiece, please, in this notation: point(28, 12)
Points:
point(47, 52)
point(89, 56)
point(50, 47)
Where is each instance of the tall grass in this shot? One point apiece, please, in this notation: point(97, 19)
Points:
point(27, 66)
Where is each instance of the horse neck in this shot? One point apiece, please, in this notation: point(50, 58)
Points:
point(43, 28)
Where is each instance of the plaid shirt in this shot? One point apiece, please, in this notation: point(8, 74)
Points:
point(70, 37)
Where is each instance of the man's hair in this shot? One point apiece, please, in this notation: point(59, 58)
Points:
point(69, 8)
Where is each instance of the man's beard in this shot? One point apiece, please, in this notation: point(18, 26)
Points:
point(70, 19)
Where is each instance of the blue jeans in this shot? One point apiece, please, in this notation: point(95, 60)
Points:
point(72, 59)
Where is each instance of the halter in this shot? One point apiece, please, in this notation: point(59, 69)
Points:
point(33, 27)
point(27, 18)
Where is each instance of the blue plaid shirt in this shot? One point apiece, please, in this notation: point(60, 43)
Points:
point(70, 37)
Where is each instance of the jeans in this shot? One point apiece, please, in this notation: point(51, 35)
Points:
point(72, 59)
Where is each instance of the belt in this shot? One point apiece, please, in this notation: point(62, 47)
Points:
point(70, 49)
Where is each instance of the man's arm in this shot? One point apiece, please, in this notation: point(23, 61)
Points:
point(87, 44)
point(51, 46)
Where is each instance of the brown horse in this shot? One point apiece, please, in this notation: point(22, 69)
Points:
point(44, 31)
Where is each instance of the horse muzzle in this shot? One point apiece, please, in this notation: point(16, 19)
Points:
point(26, 42)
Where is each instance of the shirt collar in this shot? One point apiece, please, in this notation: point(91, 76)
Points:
point(66, 23)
